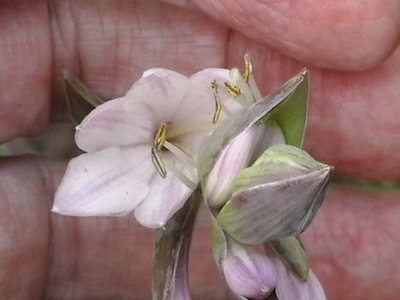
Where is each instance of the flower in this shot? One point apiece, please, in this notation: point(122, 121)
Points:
point(254, 275)
point(260, 186)
point(141, 150)
point(248, 273)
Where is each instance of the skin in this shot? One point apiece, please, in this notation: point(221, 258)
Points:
point(351, 49)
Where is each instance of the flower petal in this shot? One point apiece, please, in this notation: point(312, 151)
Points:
point(207, 76)
point(134, 119)
point(108, 182)
point(118, 122)
point(289, 287)
point(166, 196)
point(162, 91)
point(193, 120)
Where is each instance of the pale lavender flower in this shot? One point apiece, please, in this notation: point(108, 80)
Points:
point(141, 150)
point(248, 273)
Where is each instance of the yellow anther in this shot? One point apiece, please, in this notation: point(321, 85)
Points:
point(160, 137)
point(233, 89)
point(218, 108)
point(158, 163)
point(248, 65)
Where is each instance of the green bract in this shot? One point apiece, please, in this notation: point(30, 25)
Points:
point(291, 115)
point(292, 251)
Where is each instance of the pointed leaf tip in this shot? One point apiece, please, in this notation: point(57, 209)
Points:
point(80, 99)
point(291, 250)
point(291, 115)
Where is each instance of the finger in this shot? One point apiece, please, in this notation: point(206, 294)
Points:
point(353, 244)
point(24, 229)
point(353, 121)
point(108, 44)
point(330, 34)
point(25, 68)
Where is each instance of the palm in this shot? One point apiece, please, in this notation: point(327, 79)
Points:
point(352, 124)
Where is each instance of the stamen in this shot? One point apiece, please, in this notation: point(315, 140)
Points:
point(248, 68)
point(181, 176)
point(243, 85)
point(158, 163)
point(160, 137)
point(233, 89)
point(218, 108)
point(179, 153)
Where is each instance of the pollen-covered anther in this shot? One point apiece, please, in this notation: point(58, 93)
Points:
point(160, 137)
point(233, 89)
point(161, 141)
point(248, 68)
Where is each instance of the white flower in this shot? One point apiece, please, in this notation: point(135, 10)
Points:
point(141, 149)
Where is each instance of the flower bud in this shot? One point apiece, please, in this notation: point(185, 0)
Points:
point(240, 153)
point(276, 197)
point(247, 272)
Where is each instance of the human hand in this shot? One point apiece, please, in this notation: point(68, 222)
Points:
point(353, 125)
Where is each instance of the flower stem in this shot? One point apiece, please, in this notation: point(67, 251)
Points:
point(170, 264)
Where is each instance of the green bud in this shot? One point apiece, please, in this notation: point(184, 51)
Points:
point(278, 196)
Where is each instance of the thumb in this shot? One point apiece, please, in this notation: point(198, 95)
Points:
point(344, 35)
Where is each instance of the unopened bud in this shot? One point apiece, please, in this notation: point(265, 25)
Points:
point(247, 272)
point(276, 197)
point(239, 154)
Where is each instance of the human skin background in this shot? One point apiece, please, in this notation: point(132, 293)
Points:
point(351, 48)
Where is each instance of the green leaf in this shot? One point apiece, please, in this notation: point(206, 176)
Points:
point(238, 123)
point(291, 115)
point(170, 264)
point(276, 197)
point(292, 251)
point(80, 99)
